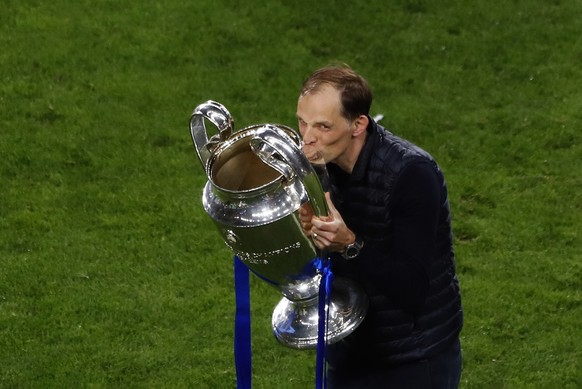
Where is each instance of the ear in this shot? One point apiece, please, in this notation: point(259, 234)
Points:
point(361, 124)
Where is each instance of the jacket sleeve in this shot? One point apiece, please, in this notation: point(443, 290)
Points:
point(400, 269)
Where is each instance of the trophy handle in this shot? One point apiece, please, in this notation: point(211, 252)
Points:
point(218, 115)
point(277, 146)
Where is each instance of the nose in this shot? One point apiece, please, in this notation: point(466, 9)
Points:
point(308, 134)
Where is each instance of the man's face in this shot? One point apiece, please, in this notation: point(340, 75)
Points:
point(323, 129)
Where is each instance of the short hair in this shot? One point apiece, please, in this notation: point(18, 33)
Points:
point(355, 94)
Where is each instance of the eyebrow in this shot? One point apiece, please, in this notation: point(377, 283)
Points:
point(321, 122)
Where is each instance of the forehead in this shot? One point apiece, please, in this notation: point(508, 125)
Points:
point(321, 104)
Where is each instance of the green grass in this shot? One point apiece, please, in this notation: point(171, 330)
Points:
point(110, 272)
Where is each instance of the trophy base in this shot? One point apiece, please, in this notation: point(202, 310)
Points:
point(295, 323)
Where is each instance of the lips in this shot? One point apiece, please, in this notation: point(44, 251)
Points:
point(313, 155)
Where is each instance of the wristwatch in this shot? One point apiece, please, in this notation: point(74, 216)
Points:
point(353, 249)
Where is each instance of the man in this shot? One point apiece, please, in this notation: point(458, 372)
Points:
point(389, 229)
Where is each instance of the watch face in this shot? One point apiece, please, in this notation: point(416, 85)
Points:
point(352, 252)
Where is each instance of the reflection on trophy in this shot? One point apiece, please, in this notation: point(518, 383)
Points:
point(258, 178)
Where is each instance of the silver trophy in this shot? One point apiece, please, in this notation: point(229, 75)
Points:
point(258, 178)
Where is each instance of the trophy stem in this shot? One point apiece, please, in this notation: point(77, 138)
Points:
point(295, 323)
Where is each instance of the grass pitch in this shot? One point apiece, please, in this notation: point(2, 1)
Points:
point(111, 275)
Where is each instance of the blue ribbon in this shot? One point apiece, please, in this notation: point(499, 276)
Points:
point(242, 326)
point(324, 267)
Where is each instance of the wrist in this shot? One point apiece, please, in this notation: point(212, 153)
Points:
point(352, 250)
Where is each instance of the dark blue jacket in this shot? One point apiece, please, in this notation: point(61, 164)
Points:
point(396, 200)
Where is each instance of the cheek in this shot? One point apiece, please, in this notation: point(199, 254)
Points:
point(329, 139)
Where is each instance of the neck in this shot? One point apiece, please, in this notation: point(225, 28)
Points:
point(348, 159)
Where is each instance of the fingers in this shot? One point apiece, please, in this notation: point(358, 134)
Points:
point(331, 232)
point(319, 240)
point(305, 216)
point(323, 231)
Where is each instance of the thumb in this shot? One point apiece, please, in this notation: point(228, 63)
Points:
point(333, 212)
